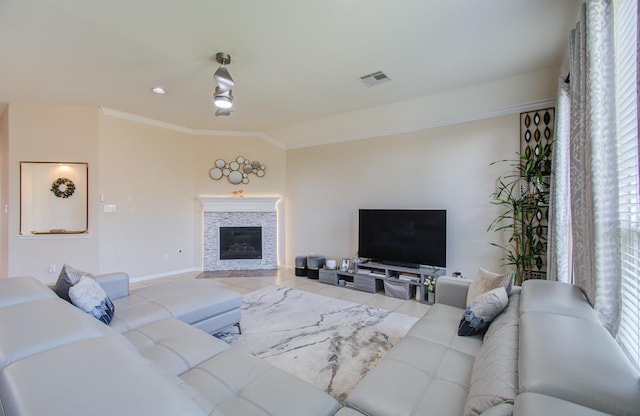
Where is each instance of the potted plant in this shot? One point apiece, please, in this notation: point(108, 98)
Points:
point(430, 287)
point(523, 194)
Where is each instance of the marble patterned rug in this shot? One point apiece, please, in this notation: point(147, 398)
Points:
point(328, 342)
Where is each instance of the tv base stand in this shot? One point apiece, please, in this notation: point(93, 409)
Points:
point(370, 277)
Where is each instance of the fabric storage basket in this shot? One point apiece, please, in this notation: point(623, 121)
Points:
point(400, 290)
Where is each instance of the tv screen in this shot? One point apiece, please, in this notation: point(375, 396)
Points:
point(403, 236)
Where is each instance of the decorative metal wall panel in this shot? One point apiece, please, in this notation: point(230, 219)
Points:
point(537, 130)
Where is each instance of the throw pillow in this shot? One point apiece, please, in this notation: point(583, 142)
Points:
point(68, 277)
point(89, 296)
point(485, 281)
point(483, 309)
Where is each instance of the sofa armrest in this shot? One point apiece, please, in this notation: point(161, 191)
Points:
point(452, 291)
point(115, 284)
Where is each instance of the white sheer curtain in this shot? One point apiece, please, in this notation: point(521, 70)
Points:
point(591, 258)
point(559, 233)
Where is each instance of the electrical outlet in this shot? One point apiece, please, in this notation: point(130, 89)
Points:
point(52, 268)
point(165, 257)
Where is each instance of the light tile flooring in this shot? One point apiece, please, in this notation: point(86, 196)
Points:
point(287, 277)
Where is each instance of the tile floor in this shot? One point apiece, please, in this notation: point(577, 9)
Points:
point(287, 277)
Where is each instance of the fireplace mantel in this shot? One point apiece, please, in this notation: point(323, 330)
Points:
point(239, 204)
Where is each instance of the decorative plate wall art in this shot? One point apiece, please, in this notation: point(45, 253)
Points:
point(237, 171)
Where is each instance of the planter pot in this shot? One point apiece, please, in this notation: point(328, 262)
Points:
point(431, 297)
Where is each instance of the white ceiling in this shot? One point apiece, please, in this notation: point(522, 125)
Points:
point(292, 60)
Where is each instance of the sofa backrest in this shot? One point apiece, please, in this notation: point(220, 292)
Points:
point(57, 360)
point(566, 353)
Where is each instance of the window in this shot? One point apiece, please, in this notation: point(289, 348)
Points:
point(627, 125)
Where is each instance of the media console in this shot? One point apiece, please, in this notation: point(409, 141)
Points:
point(370, 276)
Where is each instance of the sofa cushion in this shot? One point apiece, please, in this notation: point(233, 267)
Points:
point(483, 309)
point(67, 278)
point(51, 323)
point(502, 409)
point(427, 372)
point(440, 325)
point(486, 281)
point(71, 380)
point(174, 346)
point(532, 404)
point(22, 289)
point(577, 360)
point(494, 378)
point(557, 298)
point(91, 298)
point(237, 383)
point(191, 301)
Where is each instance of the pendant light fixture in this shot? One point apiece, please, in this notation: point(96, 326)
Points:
point(222, 97)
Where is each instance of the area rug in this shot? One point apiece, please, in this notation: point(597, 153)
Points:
point(330, 343)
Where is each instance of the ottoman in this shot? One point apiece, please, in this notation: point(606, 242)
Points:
point(314, 264)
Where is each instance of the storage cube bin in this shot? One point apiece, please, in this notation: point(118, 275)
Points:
point(400, 290)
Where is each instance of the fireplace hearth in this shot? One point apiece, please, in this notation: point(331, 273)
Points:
point(240, 243)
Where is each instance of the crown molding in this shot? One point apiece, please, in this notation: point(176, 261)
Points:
point(181, 129)
point(520, 108)
point(503, 111)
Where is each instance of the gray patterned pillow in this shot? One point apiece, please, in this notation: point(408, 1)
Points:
point(483, 309)
point(89, 296)
point(68, 278)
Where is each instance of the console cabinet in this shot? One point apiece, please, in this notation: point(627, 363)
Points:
point(370, 276)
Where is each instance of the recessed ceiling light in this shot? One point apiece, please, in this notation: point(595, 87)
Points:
point(159, 90)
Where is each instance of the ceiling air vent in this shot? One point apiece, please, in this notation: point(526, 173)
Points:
point(374, 78)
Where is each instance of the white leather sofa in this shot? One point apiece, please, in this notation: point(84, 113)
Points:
point(57, 360)
point(196, 302)
point(545, 354)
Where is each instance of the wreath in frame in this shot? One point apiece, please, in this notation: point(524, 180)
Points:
point(63, 187)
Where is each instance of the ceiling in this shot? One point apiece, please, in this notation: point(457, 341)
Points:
point(293, 60)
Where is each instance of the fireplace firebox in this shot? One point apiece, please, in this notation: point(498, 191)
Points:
point(240, 243)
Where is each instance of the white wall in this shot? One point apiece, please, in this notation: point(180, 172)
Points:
point(50, 133)
point(446, 167)
point(154, 176)
point(147, 173)
point(4, 189)
point(210, 148)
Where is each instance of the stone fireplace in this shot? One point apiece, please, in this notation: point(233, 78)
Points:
point(245, 221)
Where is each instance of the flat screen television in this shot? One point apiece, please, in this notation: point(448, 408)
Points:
point(403, 236)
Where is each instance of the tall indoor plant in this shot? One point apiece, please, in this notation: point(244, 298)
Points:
point(522, 194)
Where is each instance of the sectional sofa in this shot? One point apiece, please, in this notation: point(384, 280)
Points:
point(57, 360)
point(545, 354)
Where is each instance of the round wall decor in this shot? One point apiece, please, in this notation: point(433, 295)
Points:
point(63, 187)
point(237, 171)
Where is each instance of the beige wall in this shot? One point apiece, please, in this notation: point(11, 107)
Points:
point(210, 148)
point(147, 173)
point(446, 167)
point(152, 175)
point(50, 133)
point(4, 189)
